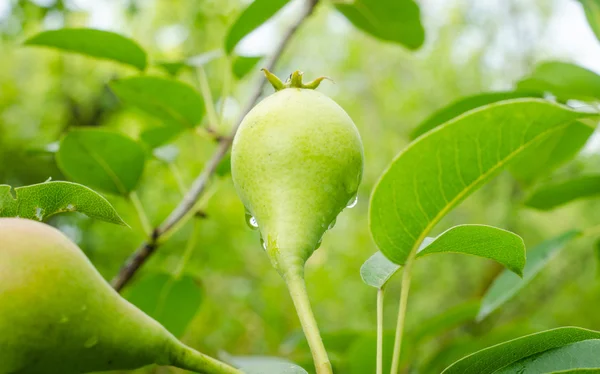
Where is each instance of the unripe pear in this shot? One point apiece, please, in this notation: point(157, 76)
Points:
point(296, 162)
point(59, 316)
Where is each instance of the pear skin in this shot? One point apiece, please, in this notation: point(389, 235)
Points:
point(296, 162)
point(59, 316)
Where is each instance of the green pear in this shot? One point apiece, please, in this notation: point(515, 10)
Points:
point(296, 162)
point(59, 316)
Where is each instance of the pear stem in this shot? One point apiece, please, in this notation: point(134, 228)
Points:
point(187, 358)
point(294, 277)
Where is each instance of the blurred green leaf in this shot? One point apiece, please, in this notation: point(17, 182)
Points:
point(41, 201)
point(440, 169)
point(552, 195)
point(464, 105)
point(95, 43)
point(592, 13)
point(397, 21)
point(160, 135)
point(262, 364)
point(242, 65)
point(503, 246)
point(479, 240)
point(451, 318)
point(507, 285)
point(542, 158)
point(224, 167)
point(257, 13)
point(174, 102)
point(104, 160)
point(597, 257)
point(579, 355)
point(500, 356)
point(173, 68)
point(564, 80)
point(171, 301)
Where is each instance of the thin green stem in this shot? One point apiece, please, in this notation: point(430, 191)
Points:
point(294, 278)
point(225, 89)
point(380, 294)
point(404, 290)
point(139, 208)
point(187, 358)
point(165, 235)
point(208, 99)
point(178, 179)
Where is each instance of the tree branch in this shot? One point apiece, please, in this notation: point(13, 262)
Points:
point(143, 253)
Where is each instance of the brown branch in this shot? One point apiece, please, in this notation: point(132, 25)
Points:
point(143, 253)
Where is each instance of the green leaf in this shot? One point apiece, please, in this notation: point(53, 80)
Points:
point(540, 159)
point(174, 102)
point(159, 135)
point(262, 364)
point(242, 65)
point(103, 160)
point(507, 285)
point(579, 355)
point(564, 80)
point(257, 13)
point(597, 257)
point(464, 105)
point(592, 13)
point(490, 242)
point(378, 270)
point(553, 195)
point(173, 68)
point(95, 43)
point(491, 359)
point(41, 201)
point(171, 301)
point(397, 21)
point(440, 169)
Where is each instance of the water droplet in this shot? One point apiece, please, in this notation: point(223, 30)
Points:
point(91, 342)
point(251, 221)
point(352, 203)
point(332, 224)
point(263, 243)
point(319, 244)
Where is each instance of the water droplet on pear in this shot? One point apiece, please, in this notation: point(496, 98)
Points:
point(352, 203)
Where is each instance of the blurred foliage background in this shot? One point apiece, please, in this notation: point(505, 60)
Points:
point(470, 47)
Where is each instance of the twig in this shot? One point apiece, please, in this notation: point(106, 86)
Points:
point(141, 255)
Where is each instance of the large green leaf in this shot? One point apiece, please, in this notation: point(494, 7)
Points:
point(464, 105)
point(564, 80)
point(262, 364)
point(96, 43)
point(397, 21)
point(440, 169)
point(592, 13)
point(553, 195)
point(507, 285)
point(542, 158)
point(171, 301)
point(174, 102)
point(103, 160)
point(579, 355)
point(257, 13)
point(41, 201)
point(491, 359)
point(159, 135)
point(479, 240)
